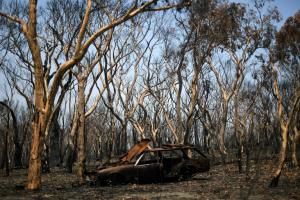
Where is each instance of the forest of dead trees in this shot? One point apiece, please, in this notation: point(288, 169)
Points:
point(83, 80)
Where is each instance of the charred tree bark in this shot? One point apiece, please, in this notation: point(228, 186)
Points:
point(205, 140)
point(6, 156)
point(238, 134)
point(51, 138)
point(112, 140)
point(18, 148)
point(123, 138)
point(196, 134)
point(247, 145)
point(45, 152)
point(55, 149)
point(45, 156)
point(72, 143)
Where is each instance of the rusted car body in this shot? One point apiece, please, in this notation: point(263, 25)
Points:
point(143, 164)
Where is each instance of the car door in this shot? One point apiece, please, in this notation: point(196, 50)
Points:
point(148, 170)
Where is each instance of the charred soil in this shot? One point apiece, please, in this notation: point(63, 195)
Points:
point(221, 182)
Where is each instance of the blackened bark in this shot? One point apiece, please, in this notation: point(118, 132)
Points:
point(54, 154)
point(6, 147)
point(45, 156)
point(70, 157)
point(18, 149)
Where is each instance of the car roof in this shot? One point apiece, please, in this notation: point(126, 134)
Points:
point(168, 149)
point(143, 146)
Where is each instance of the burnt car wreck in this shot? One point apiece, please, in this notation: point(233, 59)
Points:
point(142, 164)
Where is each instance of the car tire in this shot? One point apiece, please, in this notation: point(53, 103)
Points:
point(185, 174)
point(118, 179)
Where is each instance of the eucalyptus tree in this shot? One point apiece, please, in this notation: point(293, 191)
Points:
point(44, 96)
point(160, 88)
point(17, 148)
point(244, 32)
point(145, 111)
point(138, 42)
point(9, 107)
point(12, 151)
point(285, 59)
point(20, 70)
point(200, 47)
point(287, 51)
point(82, 72)
point(5, 127)
point(176, 49)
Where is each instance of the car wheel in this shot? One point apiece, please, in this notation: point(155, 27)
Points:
point(118, 179)
point(186, 173)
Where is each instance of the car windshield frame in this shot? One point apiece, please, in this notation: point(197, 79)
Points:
point(174, 150)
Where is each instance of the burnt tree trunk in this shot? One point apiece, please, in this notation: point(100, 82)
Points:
point(54, 154)
point(6, 147)
point(45, 156)
point(112, 140)
point(72, 144)
point(196, 134)
point(123, 138)
point(237, 132)
point(17, 145)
